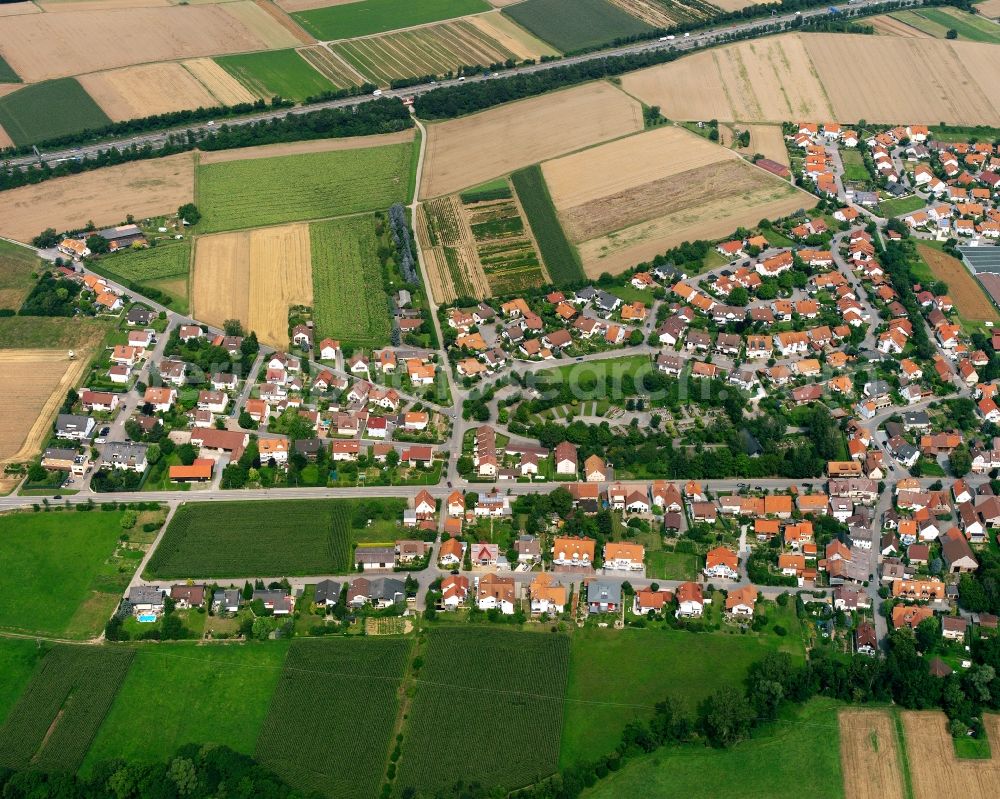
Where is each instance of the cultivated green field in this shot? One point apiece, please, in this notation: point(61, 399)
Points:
point(640, 668)
point(53, 723)
point(195, 694)
point(52, 563)
point(18, 658)
point(27, 332)
point(27, 114)
point(332, 717)
point(561, 260)
point(570, 25)
point(502, 696)
point(267, 191)
point(7, 74)
point(800, 749)
point(169, 259)
point(282, 73)
point(376, 16)
point(349, 299)
point(264, 538)
point(938, 21)
point(507, 254)
point(17, 265)
point(434, 50)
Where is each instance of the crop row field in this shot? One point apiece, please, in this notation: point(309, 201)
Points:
point(341, 697)
point(571, 25)
point(936, 22)
point(493, 687)
point(281, 73)
point(561, 259)
point(105, 196)
point(60, 710)
point(334, 68)
point(504, 246)
point(467, 151)
point(267, 191)
point(350, 303)
point(253, 538)
point(28, 115)
point(348, 20)
point(435, 49)
point(666, 13)
point(623, 202)
point(801, 76)
point(254, 276)
point(453, 270)
point(18, 659)
point(166, 259)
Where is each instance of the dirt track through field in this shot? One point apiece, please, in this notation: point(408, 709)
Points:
point(963, 288)
point(42, 378)
point(303, 147)
point(869, 756)
point(253, 276)
point(136, 92)
point(73, 42)
point(104, 196)
point(467, 151)
point(937, 772)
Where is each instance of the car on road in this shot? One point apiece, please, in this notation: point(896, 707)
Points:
point(579, 359)
point(743, 486)
point(57, 496)
point(102, 435)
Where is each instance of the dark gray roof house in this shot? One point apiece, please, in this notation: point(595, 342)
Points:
point(227, 601)
point(137, 315)
point(327, 592)
point(145, 597)
point(603, 596)
point(69, 425)
point(378, 591)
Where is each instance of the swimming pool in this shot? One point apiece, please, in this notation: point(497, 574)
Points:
point(147, 617)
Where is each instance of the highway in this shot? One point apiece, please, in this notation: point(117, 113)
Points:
point(681, 44)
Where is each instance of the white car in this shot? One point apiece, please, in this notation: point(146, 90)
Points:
point(377, 93)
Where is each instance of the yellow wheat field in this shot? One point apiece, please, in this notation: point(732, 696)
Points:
point(42, 378)
point(936, 771)
point(141, 91)
point(73, 42)
point(511, 36)
point(467, 151)
point(253, 276)
point(104, 196)
point(869, 756)
point(223, 86)
point(820, 76)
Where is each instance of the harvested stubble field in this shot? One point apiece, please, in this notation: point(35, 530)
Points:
point(347, 20)
point(51, 726)
point(768, 141)
point(223, 86)
point(305, 147)
point(73, 42)
point(247, 539)
point(801, 76)
point(576, 24)
point(253, 276)
point(431, 50)
point(17, 265)
point(341, 695)
point(889, 25)
point(349, 299)
point(935, 768)
point(869, 756)
point(664, 13)
point(104, 196)
point(968, 295)
point(989, 9)
point(282, 73)
point(627, 200)
point(27, 114)
point(42, 378)
point(337, 71)
point(135, 92)
point(267, 191)
point(475, 676)
point(468, 151)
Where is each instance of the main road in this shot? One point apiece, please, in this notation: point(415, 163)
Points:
point(684, 43)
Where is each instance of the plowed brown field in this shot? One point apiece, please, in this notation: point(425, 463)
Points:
point(253, 276)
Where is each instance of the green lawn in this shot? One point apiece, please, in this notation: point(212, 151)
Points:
point(50, 564)
point(604, 372)
point(190, 694)
point(854, 165)
point(56, 332)
point(665, 565)
point(266, 191)
point(349, 298)
point(797, 754)
point(570, 25)
point(904, 205)
point(279, 72)
point(29, 116)
point(17, 265)
point(377, 16)
point(18, 658)
point(633, 669)
point(972, 748)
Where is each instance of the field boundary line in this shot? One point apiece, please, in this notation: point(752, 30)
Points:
point(904, 758)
